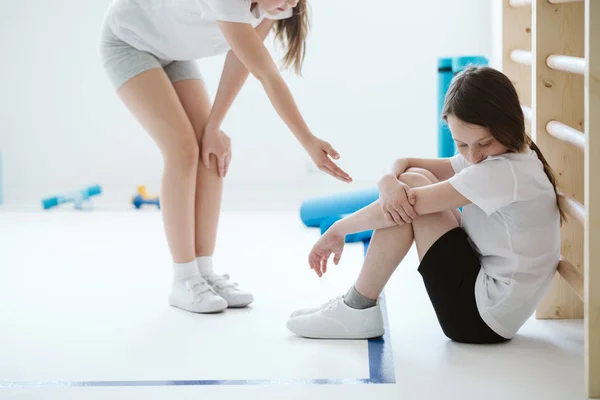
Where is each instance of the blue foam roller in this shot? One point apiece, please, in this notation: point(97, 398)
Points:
point(313, 212)
point(327, 222)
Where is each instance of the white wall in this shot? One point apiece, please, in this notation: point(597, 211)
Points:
point(369, 87)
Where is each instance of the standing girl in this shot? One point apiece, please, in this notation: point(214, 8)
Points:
point(149, 48)
point(485, 269)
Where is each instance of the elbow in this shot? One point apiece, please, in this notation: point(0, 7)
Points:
point(265, 75)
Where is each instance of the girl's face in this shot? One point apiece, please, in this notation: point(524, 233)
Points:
point(275, 6)
point(475, 143)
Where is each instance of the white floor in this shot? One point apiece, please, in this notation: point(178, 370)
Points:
point(83, 300)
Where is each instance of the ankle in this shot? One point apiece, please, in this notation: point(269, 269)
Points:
point(183, 271)
point(356, 300)
point(204, 264)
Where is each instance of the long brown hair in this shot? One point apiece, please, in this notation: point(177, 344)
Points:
point(485, 97)
point(292, 33)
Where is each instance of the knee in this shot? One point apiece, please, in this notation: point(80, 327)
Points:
point(425, 172)
point(414, 179)
point(184, 155)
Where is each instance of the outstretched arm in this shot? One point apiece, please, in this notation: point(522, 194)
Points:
point(250, 50)
point(233, 78)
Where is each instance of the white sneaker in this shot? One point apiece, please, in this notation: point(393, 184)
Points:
point(306, 311)
point(196, 295)
point(229, 291)
point(336, 320)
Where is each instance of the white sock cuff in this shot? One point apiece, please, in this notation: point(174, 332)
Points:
point(205, 265)
point(185, 270)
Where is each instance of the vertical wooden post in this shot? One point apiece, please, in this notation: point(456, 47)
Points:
point(516, 35)
point(559, 29)
point(592, 198)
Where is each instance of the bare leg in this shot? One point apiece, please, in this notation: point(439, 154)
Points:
point(153, 101)
point(389, 245)
point(209, 186)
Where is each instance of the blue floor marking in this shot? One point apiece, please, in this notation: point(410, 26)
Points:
point(381, 370)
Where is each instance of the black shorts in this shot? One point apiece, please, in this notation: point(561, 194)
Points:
point(449, 270)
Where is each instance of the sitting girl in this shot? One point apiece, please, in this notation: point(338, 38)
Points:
point(484, 269)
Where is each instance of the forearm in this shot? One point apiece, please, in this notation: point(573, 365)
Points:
point(233, 78)
point(368, 218)
point(285, 106)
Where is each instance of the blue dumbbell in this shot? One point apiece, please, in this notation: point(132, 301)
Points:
point(77, 198)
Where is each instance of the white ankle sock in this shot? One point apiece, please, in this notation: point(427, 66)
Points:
point(205, 265)
point(183, 271)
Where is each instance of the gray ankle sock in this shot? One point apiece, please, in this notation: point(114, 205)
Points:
point(356, 300)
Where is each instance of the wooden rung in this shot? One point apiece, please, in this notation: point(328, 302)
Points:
point(564, 1)
point(566, 134)
point(574, 65)
point(527, 112)
point(519, 3)
point(521, 56)
point(572, 276)
point(572, 207)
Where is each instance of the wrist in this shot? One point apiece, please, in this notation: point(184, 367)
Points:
point(337, 229)
point(212, 129)
point(305, 138)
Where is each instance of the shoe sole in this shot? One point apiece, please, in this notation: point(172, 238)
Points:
point(241, 305)
point(203, 311)
point(344, 336)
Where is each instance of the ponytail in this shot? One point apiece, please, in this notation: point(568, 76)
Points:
point(292, 33)
point(548, 172)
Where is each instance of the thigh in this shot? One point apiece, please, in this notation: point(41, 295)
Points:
point(196, 102)
point(427, 229)
point(152, 99)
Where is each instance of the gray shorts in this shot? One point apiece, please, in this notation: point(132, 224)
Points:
point(122, 61)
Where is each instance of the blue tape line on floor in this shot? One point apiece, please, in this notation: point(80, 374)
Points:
point(381, 370)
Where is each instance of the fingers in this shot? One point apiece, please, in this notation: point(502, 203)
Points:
point(410, 194)
point(409, 211)
point(221, 165)
point(412, 197)
point(398, 217)
point(335, 171)
point(206, 158)
point(227, 161)
point(330, 150)
point(336, 258)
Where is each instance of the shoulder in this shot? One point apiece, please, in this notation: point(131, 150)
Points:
point(495, 167)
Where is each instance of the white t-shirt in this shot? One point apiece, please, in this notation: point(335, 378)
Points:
point(181, 29)
point(514, 223)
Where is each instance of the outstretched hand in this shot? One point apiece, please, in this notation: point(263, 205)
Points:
point(319, 152)
point(328, 243)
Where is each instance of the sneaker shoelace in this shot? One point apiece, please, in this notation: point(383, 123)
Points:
point(198, 286)
point(222, 281)
point(331, 302)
